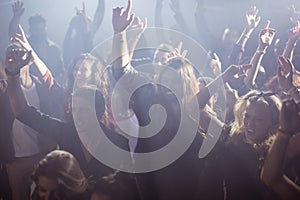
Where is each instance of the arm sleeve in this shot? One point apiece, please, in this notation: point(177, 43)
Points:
point(42, 123)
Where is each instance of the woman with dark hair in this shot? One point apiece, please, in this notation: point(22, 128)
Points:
point(90, 79)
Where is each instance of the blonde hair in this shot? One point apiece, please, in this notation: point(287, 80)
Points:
point(238, 126)
point(186, 72)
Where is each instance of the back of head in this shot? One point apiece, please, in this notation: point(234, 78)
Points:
point(62, 167)
point(36, 19)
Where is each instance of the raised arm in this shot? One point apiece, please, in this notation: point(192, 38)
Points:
point(98, 17)
point(293, 36)
point(39, 64)
point(264, 40)
point(229, 75)
point(121, 20)
point(14, 61)
point(134, 33)
point(285, 78)
point(273, 170)
point(253, 20)
point(18, 11)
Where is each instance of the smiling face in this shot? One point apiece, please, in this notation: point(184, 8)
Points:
point(257, 121)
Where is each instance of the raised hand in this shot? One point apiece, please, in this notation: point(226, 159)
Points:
point(294, 14)
point(122, 18)
point(215, 64)
point(252, 18)
point(138, 27)
point(22, 39)
point(289, 117)
point(235, 72)
point(178, 51)
point(294, 33)
point(266, 36)
point(16, 59)
point(285, 74)
point(81, 12)
point(136, 30)
point(18, 9)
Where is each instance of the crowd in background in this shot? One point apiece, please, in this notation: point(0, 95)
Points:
point(247, 89)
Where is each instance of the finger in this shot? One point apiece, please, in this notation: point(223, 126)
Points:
point(255, 11)
point(18, 38)
point(122, 11)
point(21, 30)
point(145, 22)
point(257, 20)
point(279, 61)
point(179, 46)
point(137, 20)
point(267, 25)
point(184, 53)
point(283, 60)
point(83, 7)
point(116, 10)
point(129, 6)
point(131, 19)
point(216, 57)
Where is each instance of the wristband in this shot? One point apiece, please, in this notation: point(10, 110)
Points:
point(261, 52)
point(246, 36)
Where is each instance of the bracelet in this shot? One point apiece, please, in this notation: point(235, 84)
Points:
point(246, 36)
point(283, 134)
point(12, 74)
point(261, 52)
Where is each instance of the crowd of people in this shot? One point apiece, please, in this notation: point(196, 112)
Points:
point(251, 115)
